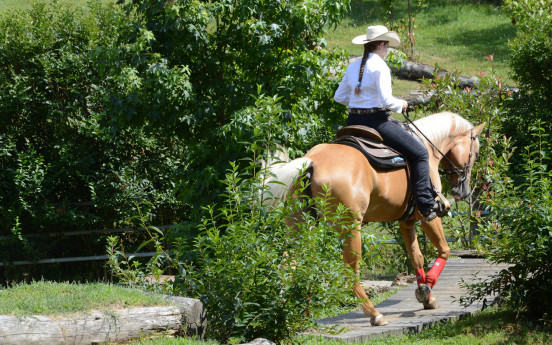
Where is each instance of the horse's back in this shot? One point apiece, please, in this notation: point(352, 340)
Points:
point(336, 161)
point(379, 195)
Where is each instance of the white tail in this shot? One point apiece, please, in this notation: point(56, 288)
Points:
point(279, 175)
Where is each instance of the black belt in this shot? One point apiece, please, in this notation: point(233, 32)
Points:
point(365, 111)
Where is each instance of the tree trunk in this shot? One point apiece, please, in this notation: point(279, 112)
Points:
point(415, 71)
point(185, 317)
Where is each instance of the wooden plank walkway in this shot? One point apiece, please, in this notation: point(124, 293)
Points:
point(406, 315)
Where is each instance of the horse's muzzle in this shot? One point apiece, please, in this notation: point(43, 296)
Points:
point(461, 192)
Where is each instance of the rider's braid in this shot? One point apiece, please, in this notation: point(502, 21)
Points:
point(368, 48)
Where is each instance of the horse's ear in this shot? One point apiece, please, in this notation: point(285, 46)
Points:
point(477, 130)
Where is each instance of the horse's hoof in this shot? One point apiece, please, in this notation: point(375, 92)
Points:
point(422, 293)
point(378, 320)
point(431, 303)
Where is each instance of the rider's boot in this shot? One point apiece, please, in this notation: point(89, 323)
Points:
point(437, 210)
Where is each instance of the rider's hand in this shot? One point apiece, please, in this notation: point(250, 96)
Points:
point(405, 106)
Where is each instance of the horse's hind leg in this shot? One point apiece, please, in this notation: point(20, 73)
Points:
point(423, 293)
point(351, 256)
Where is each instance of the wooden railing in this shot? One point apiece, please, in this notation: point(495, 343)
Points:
point(81, 258)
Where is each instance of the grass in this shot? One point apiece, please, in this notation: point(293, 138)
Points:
point(10, 5)
point(50, 298)
point(491, 327)
point(455, 35)
point(173, 341)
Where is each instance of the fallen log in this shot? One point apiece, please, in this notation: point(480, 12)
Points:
point(417, 98)
point(412, 70)
point(185, 317)
point(415, 71)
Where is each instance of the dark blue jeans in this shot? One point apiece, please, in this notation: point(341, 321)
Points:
point(396, 137)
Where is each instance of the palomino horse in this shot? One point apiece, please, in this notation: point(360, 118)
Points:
point(373, 195)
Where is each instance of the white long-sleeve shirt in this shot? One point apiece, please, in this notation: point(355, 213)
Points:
point(375, 91)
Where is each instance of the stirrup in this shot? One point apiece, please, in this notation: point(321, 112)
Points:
point(438, 209)
point(445, 201)
point(443, 209)
point(431, 216)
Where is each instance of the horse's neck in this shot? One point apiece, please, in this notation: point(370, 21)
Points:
point(440, 145)
point(436, 145)
point(441, 129)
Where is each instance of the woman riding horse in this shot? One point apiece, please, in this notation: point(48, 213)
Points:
point(366, 90)
point(373, 195)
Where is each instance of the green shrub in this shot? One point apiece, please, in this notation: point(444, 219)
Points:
point(234, 260)
point(531, 53)
point(64, 164)
point(256, 276)
point(519, 232)
point(487, 103)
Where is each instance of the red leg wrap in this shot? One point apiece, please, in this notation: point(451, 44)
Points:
point(420, 276)
point(435, 272)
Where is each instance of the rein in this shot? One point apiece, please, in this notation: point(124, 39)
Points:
point(461, 172)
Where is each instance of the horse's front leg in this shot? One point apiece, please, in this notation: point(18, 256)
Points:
point(352, 249)
point(423, 292)
point(435, 234)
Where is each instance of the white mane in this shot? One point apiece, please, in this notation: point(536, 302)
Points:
point(440, 126)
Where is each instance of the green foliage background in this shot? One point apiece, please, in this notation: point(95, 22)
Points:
point(128, 115)
point(65, 166)
point(518, 180)
point(145, 102)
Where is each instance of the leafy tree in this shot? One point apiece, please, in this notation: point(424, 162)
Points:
point(237, 51)
point(531, 56)
point(518, 232)
point(146, 102)
point(63, 167)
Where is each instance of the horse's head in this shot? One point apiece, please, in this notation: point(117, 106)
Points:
point(459, 160)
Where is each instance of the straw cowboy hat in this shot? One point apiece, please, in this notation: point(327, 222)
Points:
point(378, 33)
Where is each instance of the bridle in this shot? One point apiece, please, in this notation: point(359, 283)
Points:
point(462, 172)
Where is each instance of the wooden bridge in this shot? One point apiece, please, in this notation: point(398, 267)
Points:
point(406, 315)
